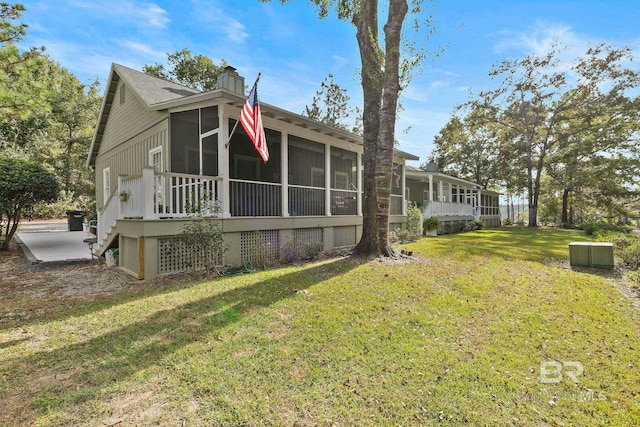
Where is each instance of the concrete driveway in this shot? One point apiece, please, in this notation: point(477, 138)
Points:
point(49, 242)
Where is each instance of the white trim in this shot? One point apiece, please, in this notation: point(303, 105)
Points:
point(106, 184)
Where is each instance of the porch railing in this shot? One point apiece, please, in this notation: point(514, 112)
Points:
point(344, 202)
point(250, 198)
point(306, 201)
point(448, 209)
point(154, 195)
point(107, 218)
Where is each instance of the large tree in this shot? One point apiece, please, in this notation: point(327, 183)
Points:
point(20, 89)
point(195, 71)
point(330, 105)
point(467, 151)
point(382, 73)
point(538, 100)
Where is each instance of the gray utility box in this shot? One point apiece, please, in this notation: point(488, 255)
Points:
point(591, 254)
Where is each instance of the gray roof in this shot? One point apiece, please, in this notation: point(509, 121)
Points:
point(159, 94)
point(152, 90)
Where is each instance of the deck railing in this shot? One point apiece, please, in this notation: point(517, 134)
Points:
point(448, 209)
point(181, 195)
point(107, 218)
point(344, 202)
point(306, 201)
point(250, 198)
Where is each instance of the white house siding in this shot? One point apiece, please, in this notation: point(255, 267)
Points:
point(130, 157)
point(127, 120)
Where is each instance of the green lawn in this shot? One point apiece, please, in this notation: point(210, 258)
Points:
point(456, 337)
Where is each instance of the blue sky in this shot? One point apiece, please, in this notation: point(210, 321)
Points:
point(294, 50)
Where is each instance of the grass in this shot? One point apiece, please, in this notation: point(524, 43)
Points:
point(457, 337)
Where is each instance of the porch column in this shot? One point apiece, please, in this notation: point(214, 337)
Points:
point(441, 191)
point(223, 164)
point(430, 188)
point(404, 191)
point(478, 204)
point(327, 180)
point(148, 191)
point(284, 162)
point(360, 183)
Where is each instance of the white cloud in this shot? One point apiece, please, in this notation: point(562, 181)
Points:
point(143, 49)
point(215, 17)
point(147, 14)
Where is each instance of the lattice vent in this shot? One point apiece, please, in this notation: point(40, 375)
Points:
point(344, 236)
point(257, 247)
point(175, 256)
point(307, 241)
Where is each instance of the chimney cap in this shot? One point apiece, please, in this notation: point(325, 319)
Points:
point(230, 68)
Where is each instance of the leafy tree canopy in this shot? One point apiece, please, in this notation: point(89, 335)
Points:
point(330, 106)
point(22, 183)
point(197, 72)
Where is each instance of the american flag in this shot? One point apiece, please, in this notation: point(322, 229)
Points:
point(251, 120)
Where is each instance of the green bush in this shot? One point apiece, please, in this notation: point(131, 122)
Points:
point(414, 221)
point(626, 246)
point(476, 224)
point(431, 223)
point(630, 255)
point(592, 227)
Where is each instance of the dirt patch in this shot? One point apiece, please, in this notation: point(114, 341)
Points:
point(60, 281)
point(31, 291)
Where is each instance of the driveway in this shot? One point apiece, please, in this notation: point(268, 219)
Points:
point(50, 242)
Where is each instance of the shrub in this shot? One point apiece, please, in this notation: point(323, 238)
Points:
point(476, 224)
point(295, 251)
point(414, 221)
point(592, 227)
point(507, 221)
point(431, 223)
point(399, 235)
point(630, 255)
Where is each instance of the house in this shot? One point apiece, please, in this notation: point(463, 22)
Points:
point(452, 200)
point(160, 148)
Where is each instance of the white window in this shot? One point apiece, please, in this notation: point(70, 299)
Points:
point(155, 158)
point(106, 184)
point(342, 180)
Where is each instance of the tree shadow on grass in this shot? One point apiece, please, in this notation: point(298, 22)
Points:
point(516, 243)
point(89, 367)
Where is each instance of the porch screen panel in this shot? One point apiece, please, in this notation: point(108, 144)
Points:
point(306, 177)
point(255, 185)
point(185, 142)
point(344, 188)
point(208, 119)
point(210, 155)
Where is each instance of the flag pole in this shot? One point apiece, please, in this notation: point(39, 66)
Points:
point(238, 121)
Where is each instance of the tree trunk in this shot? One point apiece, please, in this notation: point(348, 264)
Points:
point(565, 207)
point(380, 85)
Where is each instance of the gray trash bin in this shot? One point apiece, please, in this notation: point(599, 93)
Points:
point(75, 219)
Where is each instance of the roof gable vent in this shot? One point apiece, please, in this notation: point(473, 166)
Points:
point(231, 80)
